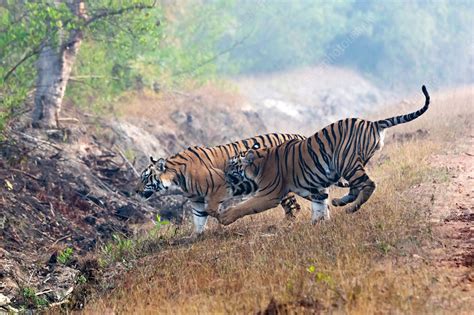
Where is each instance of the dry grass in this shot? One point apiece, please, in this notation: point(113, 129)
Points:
point(374, 261)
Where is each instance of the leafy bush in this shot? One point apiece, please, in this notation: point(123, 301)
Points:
point(65, 256)
point(31, 300)
point(126, 249)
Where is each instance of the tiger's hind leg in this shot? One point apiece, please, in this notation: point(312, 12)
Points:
point(350, 197)
point(361, 188)
point(290, 205)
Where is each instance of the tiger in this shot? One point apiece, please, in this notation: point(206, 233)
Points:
point(307, 167)
point(198, 172)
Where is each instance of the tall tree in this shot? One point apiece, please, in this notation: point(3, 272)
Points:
point(50, 32)
point(57, 54)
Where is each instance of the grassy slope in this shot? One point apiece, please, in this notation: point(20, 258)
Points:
point(367, 262)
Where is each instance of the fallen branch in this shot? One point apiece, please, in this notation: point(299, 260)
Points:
point(43, 292)
point(105, 186)
point(58, 303)
point(127, 161)
point(26, 174)
point(60, 239)
point(69, 120)
point(31, 138)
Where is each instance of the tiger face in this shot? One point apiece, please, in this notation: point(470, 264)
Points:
point(156, 177)
point(234, 170)
point(241, 168)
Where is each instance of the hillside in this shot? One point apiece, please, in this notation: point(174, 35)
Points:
point(71, 190)
point(312, 97)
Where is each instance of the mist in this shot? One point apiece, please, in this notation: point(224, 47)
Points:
point(397, 44)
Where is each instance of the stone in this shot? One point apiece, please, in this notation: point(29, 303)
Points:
point(4, 300)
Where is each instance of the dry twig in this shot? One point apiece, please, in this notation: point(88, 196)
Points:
point(127, 161)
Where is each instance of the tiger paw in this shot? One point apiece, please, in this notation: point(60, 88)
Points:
point(352, 209)
point(226, 217)
point(316, 221)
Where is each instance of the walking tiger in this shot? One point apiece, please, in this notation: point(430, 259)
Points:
point(307, 167)
point(199, 173)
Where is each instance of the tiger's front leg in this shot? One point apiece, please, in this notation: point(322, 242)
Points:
point(319, 206)
point(199, 217)
point(254, 205)
point(201, 211)
point(215, 199)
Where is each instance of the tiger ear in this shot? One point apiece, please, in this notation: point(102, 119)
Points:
point(249, 157)
point(160, 163)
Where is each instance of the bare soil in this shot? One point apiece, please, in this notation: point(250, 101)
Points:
point(453, 215)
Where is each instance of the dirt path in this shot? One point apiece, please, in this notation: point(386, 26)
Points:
point(453, 215)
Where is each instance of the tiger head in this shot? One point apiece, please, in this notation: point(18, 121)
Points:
point(242, 169)
point(156, 177)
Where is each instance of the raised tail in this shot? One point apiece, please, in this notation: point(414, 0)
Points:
point(393, 121)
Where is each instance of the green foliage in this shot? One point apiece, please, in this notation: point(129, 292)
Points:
point(31, 300)
point(396, 42)
point(284, 34)
point(23, 29)
point(64, 257)
point(119, 249)
point(81, 279)
point(320, 276)
point(126, 249)
point(130, 48)
point(160, 221)
point(384, 247)
point(163, 46)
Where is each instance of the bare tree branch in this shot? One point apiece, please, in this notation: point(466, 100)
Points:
point(106, 13)
point(213, 58)
point(22, 60)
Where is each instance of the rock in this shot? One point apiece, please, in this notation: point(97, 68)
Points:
point(4, 300)
point(53, 259)
point(179, 117)
point(129, 212)
point(90, 220)
point(64, 279)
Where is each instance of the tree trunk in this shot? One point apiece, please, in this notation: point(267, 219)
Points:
point(54, 67)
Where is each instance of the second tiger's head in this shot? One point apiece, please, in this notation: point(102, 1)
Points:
point(242, 167)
